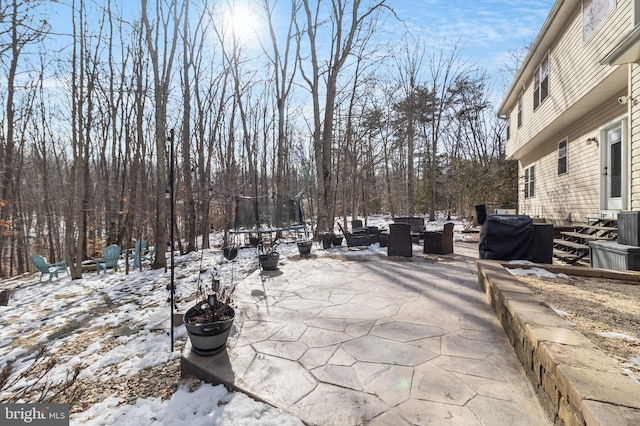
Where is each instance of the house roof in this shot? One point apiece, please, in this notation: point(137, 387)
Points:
point(553, 26)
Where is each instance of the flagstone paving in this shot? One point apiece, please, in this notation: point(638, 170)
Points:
point(377, 340)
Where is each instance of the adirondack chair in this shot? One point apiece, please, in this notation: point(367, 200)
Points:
point(48, 268)
point(110, 257)
point(140, 253)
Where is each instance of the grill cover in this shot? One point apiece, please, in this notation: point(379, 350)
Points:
point(506, 237)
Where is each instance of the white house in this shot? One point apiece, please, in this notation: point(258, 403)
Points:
point(573, 113)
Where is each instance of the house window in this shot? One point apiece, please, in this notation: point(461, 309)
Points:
point(519, 111)
point(508, 129)
point(593, 13)
point(562, 157)
point(541, 82)
point(529, 181)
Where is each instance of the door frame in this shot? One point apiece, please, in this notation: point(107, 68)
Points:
point(622, 203)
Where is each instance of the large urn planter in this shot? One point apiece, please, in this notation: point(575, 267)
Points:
point(304, 247)
point(209, 329)
point(269, 261)
point(336, 240)
point(326, 241)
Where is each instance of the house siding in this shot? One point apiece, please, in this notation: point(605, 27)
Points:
point(634, 150)
point(572, 196)
point(574, 71)
point(581, 102)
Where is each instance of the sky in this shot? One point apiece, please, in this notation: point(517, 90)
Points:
point(488, 26)
point(487, 30)
point(489, 33)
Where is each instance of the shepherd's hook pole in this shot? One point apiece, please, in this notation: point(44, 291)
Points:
point(171, 236)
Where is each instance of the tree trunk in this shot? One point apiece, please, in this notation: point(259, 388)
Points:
point(161, 85)
point(190, 207)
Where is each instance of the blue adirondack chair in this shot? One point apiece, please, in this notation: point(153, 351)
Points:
point(139, 254)
point(48, 268)
point(110, 257)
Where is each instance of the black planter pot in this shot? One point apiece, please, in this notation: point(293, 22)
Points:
point(269, 261)
point(336, 241)
point(209, 338)
point(326, 241)
point(304, 247)
point(230, 253)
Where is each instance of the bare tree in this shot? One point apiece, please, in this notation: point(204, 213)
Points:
point(475, 148)
point(356, 173)
point(444, 68)
point(161, 41)
point(409, 67)
point(512, 61)
point(207, 84)
point(18, 29)
point(137, 193)
point(114, 103)
point(284, 77)
point(48, 174)
point(348, 18)
point(187, 69)
point(75, 224)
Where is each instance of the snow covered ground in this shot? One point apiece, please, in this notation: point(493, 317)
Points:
point(110, 327)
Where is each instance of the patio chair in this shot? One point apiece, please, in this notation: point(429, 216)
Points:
point(140, 253)
point(357, 228)
point(48, 268)
point(110, 257)
point(374, 234)
point(417, 226)
point(439, 242)
point(355, 240)
point(399, 241)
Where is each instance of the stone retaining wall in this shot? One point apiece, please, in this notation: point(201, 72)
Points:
point(577, 384)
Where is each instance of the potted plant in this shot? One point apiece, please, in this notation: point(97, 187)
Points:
point(229, 249)
point(230, 253)
point(336, 239)
point(304, 247)
point(209, 321)
point(254, 241)
point(268, 256)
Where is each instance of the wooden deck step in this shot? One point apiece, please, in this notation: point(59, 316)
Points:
point(566, 257)
point(583, 236)
point(599, 228)
point(571, 244)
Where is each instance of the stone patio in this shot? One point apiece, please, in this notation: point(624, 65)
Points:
point(377, 340)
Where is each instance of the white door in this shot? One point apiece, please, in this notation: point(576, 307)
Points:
point(614, 174)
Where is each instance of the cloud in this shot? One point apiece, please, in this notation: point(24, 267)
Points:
point(488, 29)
